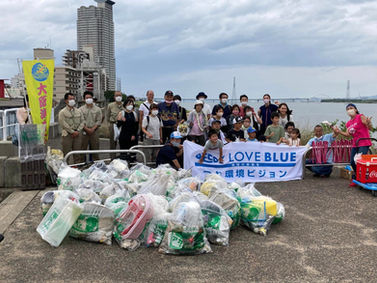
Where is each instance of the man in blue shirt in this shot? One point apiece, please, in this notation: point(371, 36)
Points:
point(265, 112)
point(169, 113)
point(224, 105)
point(321, 171)
point(171, 152)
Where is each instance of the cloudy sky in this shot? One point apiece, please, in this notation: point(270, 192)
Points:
point(289, 48)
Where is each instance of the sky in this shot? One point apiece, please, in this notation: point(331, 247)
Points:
point(288, 48)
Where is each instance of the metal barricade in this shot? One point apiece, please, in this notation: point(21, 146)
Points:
point(103, 151)
point(147, 147)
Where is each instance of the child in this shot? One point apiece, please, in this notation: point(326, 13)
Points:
point(152, 128)
point(219, 112)
point(252, 135)
point(274, 132)
point(288, 129)
point(294, 139)
point(236, 134)
point(212, 144)
point(216, 125)
point(246, 125)
point(198, 124)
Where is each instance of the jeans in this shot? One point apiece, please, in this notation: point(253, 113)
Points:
point(319, 170)
point(354, 151)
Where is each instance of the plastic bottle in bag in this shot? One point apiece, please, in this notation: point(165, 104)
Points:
point(59, 220)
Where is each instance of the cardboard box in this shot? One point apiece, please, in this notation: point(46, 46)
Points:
point(346, 174)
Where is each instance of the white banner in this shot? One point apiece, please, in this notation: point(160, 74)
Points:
point(247, 161)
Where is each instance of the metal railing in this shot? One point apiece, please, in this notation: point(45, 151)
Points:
point(102, 152)
point(135, 147)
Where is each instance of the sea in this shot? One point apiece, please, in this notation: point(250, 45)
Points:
point(307, 114)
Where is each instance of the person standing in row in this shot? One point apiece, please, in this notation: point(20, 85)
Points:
point(113, 110)
point(128, 123)
point(144, 110)
point(152, 128)
point(244, 100)
point(206, 108)
point(92, 121)
point(285, 114)
point(358, 128)
point(182, 111)
point(265, 112)
point(169, 114)
point(198, 124)
point(71, 122)
point(224, 105)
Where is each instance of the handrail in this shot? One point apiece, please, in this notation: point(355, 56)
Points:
point(105, 151)
point(146, 147)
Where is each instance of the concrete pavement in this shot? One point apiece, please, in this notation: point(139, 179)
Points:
point(329, 234)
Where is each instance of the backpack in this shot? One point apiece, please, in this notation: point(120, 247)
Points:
point(159, 120)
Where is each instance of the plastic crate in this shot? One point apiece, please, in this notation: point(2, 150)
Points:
point(33, 174)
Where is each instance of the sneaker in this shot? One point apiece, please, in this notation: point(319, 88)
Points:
point(352, 184)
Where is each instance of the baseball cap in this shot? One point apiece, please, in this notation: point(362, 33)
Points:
point(169, 92)
point(175, 135)
point(237, 120)
point(251, 130)
point(215, 121)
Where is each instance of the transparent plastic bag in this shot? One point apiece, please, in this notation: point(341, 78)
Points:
point(185, 234)
point(156, 230)
point(118, 169)
point(227, 199)
point(100, 165)
point(110, 190)
point(95, 224)
point(280, 213)
point(88, 195)
point(157, 185)
point(118, 201)
point(49, 197)
point(69, 178)
point(216, 223)
point(210, 186)
point(95, 185)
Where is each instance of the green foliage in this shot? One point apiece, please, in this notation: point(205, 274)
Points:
point(109, 95)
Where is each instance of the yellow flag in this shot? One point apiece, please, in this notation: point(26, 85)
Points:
point(39, 79)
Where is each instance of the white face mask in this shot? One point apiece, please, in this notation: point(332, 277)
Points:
point(266, 100)
point(351, 112)
point(89, 101)
point(224, 100)
point(202, 99)
point(220, 114)
point(71, 102)
point(177, 101)
point(244, 103)
point(154, 112)
point(118, 98)
point(249, 113)
point(129, 107)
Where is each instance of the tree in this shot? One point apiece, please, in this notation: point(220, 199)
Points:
point(109, 95)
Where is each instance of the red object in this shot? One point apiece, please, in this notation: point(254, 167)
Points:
point(366, 169)
point(2, 89)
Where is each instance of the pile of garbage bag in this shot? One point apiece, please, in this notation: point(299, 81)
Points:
point(162, 208)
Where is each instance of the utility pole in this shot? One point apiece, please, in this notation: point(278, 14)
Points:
point(234, 94)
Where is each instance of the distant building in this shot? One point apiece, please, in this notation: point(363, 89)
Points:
point(43, 53)
point(95, 28)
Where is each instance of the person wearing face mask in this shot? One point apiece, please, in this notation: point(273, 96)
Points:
point(265, 112)
point(219, 116)
point(244, 100)
point(144, 110)
point(255, 120)
point(169, 113)
point(171, 152)
point(182, 111)
point(128, 123)
point(152, 128)
point(198, 123)
point(235, 113)
point(224, 105)
point(357, 127)
point(112, 112)
point(206, 108)
point(322, 171)
point(71, 121)
point(92, 121)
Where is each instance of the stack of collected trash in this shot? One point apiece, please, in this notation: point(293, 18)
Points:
point(148, 207)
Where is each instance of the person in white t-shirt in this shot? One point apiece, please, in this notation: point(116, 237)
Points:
point(144, 110)
point(152, 128)
point(206, 108)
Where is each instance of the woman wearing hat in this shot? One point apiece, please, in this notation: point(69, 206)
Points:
point(357, 127)
point(198, 124)
point(206, 108)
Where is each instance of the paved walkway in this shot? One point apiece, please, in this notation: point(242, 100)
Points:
point(329, 234)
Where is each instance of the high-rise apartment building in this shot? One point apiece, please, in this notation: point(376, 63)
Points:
point(95, 28)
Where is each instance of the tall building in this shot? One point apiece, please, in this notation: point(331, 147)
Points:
point(95, 28)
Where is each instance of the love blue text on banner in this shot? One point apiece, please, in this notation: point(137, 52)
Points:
point(247, 161)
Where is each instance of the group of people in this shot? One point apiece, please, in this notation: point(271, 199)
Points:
point(162, 123)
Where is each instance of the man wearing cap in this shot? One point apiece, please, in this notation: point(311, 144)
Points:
point(169, 114)
point(206, 108)
point(71, 122)
point(113, 110)
point(93, 119)
point(171, 152)
point(224, 105)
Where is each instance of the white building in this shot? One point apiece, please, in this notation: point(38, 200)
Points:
point(95, 28)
